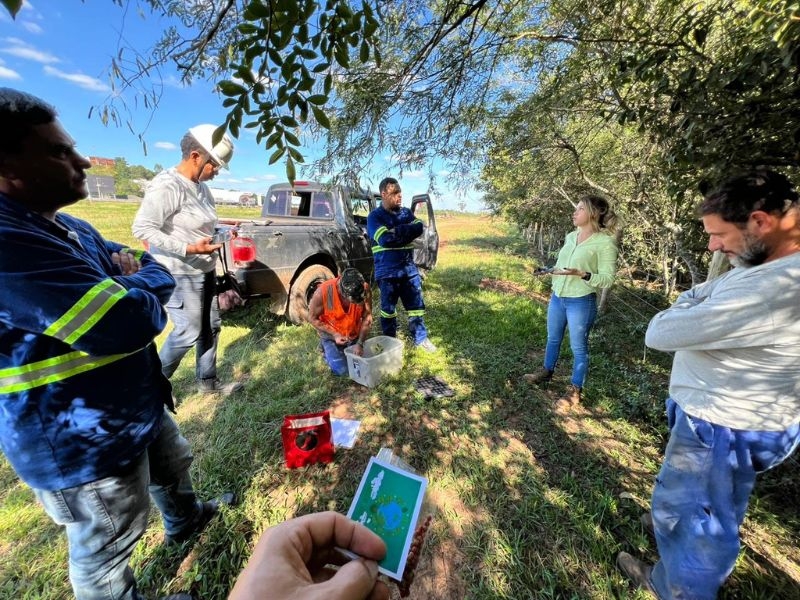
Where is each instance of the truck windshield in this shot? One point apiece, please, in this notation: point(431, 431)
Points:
point(297, 203)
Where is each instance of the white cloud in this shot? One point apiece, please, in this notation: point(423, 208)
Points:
point(251, 179)
point(165, 146)
point(20, 49)
point(413, 174)
point(6, 73)
point(173, 82)
point(79, 79)
point(32, 27)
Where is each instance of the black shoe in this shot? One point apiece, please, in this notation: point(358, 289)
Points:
point(647, 523)
point(637, 571)
point(208, 511)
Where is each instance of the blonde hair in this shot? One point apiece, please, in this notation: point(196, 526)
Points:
point(602, 216)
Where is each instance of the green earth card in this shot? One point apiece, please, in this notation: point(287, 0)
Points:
point(388, 502)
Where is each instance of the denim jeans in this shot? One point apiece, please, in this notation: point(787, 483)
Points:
point(194, 312)
point(700, 499)
point(334, 355)
point(409, 291)
point(104, 519)
point(577, 314)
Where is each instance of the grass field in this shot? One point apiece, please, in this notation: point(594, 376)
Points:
point(526, 503)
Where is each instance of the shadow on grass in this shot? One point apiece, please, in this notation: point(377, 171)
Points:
point(527, 503)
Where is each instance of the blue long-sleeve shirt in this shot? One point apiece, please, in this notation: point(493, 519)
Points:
point(81, 389)
point(391, 234)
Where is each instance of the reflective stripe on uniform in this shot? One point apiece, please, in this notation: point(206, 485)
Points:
point(329, 299)
point(50, 370)
point(87, 311)
point(379, 232)
point(416, 313)
point(386, 315)
point(137, 254)
point(376, 249)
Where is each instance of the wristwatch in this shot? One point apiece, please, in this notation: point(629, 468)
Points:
point(586, 276)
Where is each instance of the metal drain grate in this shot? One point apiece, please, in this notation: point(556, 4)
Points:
point(433, 387)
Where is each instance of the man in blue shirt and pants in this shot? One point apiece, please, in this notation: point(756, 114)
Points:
point(83, 418)
point(391, 229)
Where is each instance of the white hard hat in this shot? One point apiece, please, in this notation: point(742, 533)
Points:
point(222, 152)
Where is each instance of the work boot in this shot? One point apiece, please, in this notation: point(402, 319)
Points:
point(427, 345)
point(208, 510)
point(215, 386)
point(636, 571)
point(572, 397)
point(647, 522)
point(541, 376)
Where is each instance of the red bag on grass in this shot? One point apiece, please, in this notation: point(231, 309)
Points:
point(307, 439)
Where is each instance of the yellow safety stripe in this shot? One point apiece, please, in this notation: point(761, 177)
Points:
point(50, 370)
point(376, 249)
point(386, 315)
point(87, 311)
point(379, 232)
point(137, 254)
point(416, 313)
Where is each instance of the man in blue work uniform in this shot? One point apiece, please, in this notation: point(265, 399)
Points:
point(391, 229)
point(82, 397)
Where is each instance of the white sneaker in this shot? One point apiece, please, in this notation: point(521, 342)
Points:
point(427, 345)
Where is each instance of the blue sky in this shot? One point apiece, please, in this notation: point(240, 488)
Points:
point(60, 50)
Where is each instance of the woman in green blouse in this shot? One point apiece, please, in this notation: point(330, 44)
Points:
point(587, 262)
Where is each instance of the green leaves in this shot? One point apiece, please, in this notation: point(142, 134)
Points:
point(278, 68)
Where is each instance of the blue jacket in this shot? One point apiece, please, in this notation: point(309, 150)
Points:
point(391, 234)
point(81, 389)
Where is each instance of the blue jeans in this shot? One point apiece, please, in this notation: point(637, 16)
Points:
point(104, 519)
point(578, 314)
point(409, 291)
point(700, 498)
point(194, 312)
point(334, 355)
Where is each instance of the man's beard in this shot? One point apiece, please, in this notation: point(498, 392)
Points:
point(754, 253)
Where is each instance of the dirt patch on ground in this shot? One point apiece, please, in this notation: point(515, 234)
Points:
point(509, 287)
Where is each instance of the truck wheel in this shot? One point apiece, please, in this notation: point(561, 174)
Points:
point(303, 288)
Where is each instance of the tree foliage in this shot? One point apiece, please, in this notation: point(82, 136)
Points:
point(642, 100)
point(273, 62)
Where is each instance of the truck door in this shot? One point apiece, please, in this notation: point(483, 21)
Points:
point(357, 206)
point(426, 246)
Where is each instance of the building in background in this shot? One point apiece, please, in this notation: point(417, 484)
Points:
point(237, 197)
point(102, 162)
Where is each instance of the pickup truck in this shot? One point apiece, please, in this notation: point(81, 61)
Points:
point(310, 232)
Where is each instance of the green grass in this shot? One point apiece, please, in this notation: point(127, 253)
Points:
point(526, 503)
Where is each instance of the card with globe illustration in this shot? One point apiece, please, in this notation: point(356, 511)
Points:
point(388, 502)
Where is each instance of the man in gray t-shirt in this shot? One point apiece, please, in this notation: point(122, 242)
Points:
point(177, 219)
point(734, 406)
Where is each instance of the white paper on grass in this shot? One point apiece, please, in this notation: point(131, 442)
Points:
point(345, 432)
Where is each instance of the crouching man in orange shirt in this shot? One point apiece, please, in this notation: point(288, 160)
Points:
point(341, 311)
